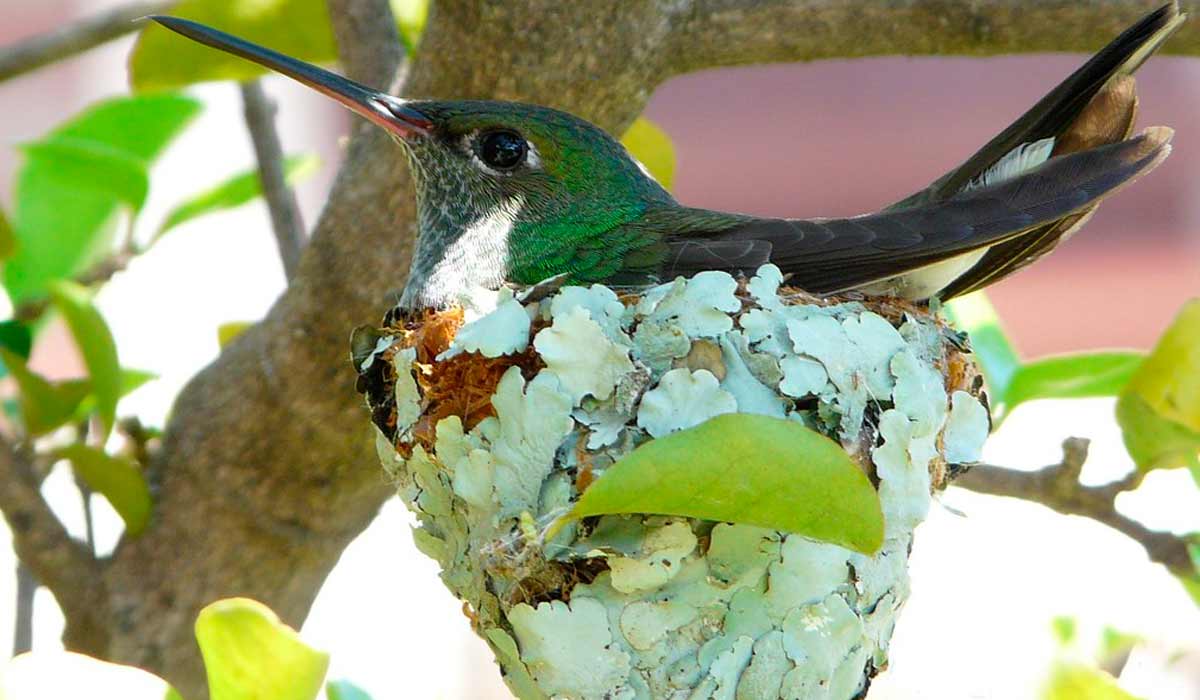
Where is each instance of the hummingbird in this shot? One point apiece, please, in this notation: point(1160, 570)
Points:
point(513, 193)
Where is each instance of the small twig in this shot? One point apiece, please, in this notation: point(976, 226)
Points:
point(281, 201)
point(369, 46)
point(102, 271)
point(1057, 487)
point(74, 38)
point(23, 624)
point(61, 563)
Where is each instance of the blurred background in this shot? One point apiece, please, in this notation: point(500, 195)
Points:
point(821, 139)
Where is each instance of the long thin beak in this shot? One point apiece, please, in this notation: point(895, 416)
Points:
point(391, 113)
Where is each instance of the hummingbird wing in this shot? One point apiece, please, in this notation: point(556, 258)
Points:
point(833, 255)
point(1095, 105)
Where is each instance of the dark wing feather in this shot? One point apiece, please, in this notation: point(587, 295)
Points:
point(826, 256)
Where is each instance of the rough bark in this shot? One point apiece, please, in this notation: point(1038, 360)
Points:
point(266, 471)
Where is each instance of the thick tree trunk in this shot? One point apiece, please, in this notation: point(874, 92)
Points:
point(267, 470)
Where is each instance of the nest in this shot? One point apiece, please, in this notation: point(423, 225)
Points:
point(493, 419)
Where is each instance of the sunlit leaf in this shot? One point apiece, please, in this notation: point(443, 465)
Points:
point(1071, 377)
point(44, 406)
point(226, 332)
point(61, 229)
point(975, 314)
point(653, 148)
point(118, 479)
point(96, 346)
point(345, 690)
point(163, 60)
point(131, 380)
point(787, 477)
point(1159, 410)
point(1074, 681)
point(84, 165)
point(410, 18)
point(250, 655)
point(234, 192)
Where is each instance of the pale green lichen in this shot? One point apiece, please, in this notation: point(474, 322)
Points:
point(643, 607)
point(502, 331)
point(585, 360)
point(683, 399)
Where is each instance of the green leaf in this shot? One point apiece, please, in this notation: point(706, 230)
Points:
point(410, 19)
point(1074, 681)
point(118, 479)
point(975, 314)
point(249, 654)
point(17, 337)
point(131, 380)
point(653, 148)
point(234, 192)
point(226, 332)
point(748, 469)
point(1071, 377)
point(83, 165)
point(345, 690)
point(163, 60)
point(8, 239)
point(1159, 409)
point(96, 345)
point(1064, 627)
point(44, 406)
point(61, 229)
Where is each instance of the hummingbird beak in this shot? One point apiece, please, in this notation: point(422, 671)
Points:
point(392, 113)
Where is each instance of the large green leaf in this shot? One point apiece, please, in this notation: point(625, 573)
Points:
point(1075, 681)
point(975, 314)
point(44, 405)
point(1159, 410)
point(250, 655)
point(653, 148)
point(163, 60)
point(83, 165)
point(234, 192)
point(118, 479)
point(61, 228)
point(96, 345)
point(1071, 377)
point(749, 469)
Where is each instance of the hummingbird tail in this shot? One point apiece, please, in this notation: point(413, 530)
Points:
point(1096, 105)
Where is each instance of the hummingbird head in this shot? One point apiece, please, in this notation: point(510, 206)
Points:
point(505, 191)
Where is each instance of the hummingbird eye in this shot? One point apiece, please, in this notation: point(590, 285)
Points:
point(501, 149)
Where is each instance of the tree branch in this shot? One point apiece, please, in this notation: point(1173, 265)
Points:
point(713, 33)
point(368, 42)
point(74, 38)
point(259, 112)
point(61, 563)
point(1057, 487)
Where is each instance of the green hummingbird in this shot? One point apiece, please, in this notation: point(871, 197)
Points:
point(518, 193)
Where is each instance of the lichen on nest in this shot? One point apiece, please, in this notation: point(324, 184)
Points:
point(493, 418)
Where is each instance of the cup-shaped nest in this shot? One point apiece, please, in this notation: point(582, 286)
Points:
point(494, 417)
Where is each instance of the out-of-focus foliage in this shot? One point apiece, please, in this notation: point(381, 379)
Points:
point(162, 60)
point(96, 345)
point(75, 181)
point(44, 405)
point(117, 478)
point(234, 192)
point(1159, 408)
point(249, 654)
point(653, 149)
